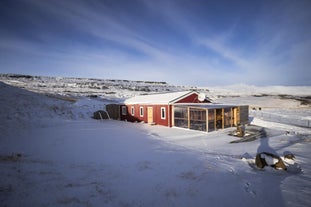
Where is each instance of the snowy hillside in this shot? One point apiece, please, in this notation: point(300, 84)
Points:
point(248, 90)
point(20, 107)
point(53, 154)
point(88, 87)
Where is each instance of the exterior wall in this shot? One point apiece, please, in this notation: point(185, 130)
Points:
point(193, 98)
point(156, 110)
point(157, 115)
point(128, 116)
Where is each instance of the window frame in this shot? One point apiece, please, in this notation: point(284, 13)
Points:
point(124, 110)
point(141, 111)
point(163, 113)
point(133, 111)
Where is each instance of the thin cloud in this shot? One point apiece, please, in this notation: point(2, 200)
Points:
point(175, 41)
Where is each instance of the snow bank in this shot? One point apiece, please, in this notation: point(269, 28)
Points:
point(20, 107)
point(285, 118)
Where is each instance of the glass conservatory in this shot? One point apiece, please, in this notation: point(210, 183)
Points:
point(208, 117)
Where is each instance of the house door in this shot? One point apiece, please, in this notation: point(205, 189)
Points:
point(150, 115)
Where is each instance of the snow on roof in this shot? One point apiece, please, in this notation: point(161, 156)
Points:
point(208, 105)
point(164, 98)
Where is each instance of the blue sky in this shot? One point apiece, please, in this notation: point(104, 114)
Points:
point(187, 42)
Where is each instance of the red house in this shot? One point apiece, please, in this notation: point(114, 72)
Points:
point(189, 110)
point(157, 108)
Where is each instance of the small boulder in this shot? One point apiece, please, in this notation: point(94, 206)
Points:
point(260, 162)
point(268, 159)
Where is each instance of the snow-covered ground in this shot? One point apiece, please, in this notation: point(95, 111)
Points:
point(53, 154)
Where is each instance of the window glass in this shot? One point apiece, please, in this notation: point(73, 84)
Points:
point(198, 119)
point(124, 111)
point(181, 117)
point(228, 117)
point(163, 113)
point(141, 109)
point(211, 120)
point(132, 111)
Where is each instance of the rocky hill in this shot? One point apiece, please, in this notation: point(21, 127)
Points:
point(89, 87)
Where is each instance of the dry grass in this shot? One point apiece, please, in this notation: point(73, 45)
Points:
point(64, 98)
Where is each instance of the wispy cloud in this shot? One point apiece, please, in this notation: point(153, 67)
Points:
point(279, 48)
point(197, 42)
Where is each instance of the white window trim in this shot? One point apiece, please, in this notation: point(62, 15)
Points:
point(164, 109)
point(133, 111)
point(141, 111)
point(124, 111)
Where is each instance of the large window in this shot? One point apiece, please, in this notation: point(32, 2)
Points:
point(227, 117)
point(219, 117)
point(181, 117)
point(203, 118)
point(198, 119)
point(211, 120)
point(163, 113)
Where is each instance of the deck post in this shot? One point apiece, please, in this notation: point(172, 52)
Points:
point(206, 118)
point(215, 120)
point(223, 117)
point(188, 117)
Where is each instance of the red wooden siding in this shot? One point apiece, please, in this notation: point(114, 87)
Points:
point(156, 114)
point(193, 98)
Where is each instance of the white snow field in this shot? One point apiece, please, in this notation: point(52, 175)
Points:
point(53, 154)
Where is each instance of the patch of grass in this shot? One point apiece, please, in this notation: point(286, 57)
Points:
point(64, 98)
point(261, 95)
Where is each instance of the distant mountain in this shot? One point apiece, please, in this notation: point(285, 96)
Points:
point(120, 89)
point(89, 86)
